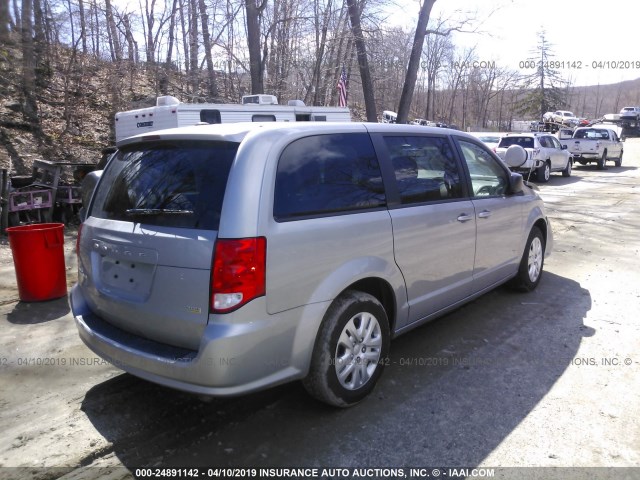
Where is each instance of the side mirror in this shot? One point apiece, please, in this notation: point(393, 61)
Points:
point(516, 183)
point(564, 147)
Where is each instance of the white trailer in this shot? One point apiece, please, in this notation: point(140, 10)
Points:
point(169, 112)
point(389, 117)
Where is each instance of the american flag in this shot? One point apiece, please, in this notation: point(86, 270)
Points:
point(342, 88)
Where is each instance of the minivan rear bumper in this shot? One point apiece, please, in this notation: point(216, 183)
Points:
point(233, 357)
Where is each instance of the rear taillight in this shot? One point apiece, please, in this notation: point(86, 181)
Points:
point(238, 272)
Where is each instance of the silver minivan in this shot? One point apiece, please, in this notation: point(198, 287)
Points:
point(224, 259)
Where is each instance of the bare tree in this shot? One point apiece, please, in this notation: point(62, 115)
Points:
point(28, 65)
point(322, 17)
point(414, 61)
point(83, 25)
point(114, 40)
point(253, 12)
point(363, 61)
point(194, 80)
point(132, 45)
point(163, 80)
point(442, 28)
point(457, 71)
point(439, 50)
point(212, 88)
point(95, 29)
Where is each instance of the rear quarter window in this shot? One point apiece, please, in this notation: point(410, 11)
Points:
point(177, 184)
point(327, 174)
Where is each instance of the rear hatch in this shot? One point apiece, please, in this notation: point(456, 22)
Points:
point(526, 142)
point(147, 244)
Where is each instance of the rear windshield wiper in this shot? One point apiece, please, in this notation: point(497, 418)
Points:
point(156, 211)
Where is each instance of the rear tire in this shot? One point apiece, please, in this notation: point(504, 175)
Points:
point(544, 172)
point(532, 263)
point(350, 351)
point(618, 161)
point(602, 161)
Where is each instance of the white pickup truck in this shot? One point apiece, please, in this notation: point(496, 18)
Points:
point(595, 144)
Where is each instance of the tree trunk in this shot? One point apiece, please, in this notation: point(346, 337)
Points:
point(150, 18)
point(83, 25)
point(194, 79)
point(313, 90)
point(363, 62)
point(253, 14)
point(185, 41)
point(132, 45)
point(29, 67)
point(212, 88)
point(163, 80)
point(114, 40)
point(414, 62)
point(96, 32)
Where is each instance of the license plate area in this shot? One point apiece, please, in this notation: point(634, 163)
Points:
point(124, 271)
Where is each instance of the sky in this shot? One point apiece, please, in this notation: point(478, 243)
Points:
point(593, 42)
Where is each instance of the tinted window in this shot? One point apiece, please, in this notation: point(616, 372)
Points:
point(326, 174)
point(180, 184)
point(425, 168)
point(524, 142)
point(488, 178)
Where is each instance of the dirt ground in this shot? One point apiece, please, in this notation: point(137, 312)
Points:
point(547, 379)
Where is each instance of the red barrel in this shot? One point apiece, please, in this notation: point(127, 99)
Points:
point(38, 257)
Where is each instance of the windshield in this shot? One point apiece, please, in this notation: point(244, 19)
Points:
point(176, 184)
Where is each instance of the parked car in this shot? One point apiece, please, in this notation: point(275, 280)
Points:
point(544, 154)
point(224, 259)
point(548, 117)
point(565, 117)
point(595, 144)
point(389, 117)
point(422, 121)
point(630, 113)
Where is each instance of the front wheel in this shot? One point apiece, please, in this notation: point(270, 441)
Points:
point(567, 170)
point(530, 270)
point(350, 350)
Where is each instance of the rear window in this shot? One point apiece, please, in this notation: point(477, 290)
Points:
point(177, 184)
point(524, 142)
point(592, 133)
